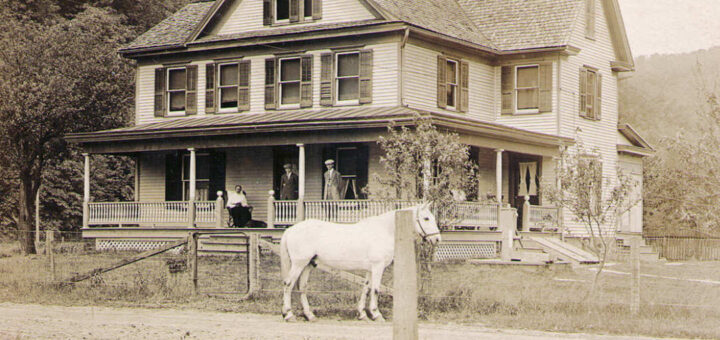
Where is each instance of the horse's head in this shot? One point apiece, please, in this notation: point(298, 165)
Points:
point(425, 223)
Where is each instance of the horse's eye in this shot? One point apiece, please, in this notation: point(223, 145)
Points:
point(426, 218)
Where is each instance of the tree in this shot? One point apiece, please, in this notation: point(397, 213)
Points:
point(57, 78)
point(581, 193)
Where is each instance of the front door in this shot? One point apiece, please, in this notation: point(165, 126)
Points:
point(525, 181)
point(351, 161)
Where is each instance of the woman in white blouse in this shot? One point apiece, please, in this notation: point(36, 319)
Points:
point(238, 207)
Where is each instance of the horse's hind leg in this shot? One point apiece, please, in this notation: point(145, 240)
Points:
point(376, 278)
point(289, 283)
point(363, 298)
point(302, 286)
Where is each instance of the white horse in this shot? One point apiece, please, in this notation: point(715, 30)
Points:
point(367, 245)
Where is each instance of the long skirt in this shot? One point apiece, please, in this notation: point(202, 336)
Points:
point(240, 215)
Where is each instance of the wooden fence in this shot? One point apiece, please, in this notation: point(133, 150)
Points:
point(686, 248)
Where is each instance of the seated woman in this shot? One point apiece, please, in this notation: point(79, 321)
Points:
point(237, 205)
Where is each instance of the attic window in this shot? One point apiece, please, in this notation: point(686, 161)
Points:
point(291, 11)
point(283, 10)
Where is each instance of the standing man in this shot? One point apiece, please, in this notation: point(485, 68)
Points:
point(288, 184)
point(332, 181)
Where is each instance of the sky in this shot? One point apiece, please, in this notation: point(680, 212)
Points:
point(671, 26)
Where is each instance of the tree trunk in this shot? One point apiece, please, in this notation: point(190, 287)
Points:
point(26, 202)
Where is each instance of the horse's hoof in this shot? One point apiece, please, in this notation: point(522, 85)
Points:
point(380, 319)
point(310, 318)
point(289, 317)
point(362, 316)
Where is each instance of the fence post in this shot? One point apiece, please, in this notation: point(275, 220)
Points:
point(192, 243)
point(405, 285)
point(49, 238)
point(253, 265)
point(635, 291)
point(526, 214)
point(271, 209)
point(219, 205)
point(508, 225)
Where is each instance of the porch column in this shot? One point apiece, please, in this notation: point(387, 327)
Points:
point(136, 189)
point(498, 175)
point(86, 191)
point(300, 210)
point(191, 194)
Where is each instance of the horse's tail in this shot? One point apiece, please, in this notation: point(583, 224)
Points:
point(284, 257)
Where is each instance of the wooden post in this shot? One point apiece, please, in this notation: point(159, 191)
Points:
point(49, 238)
point(191, 193)
point(498, 176)
point(405, 285)
point(508, 224)
point(37, 218)
point(253, 265)
point(192, 243)
point(635, 261)
point(219, 207)
point(301, 170)
point(271, 209)
point(526, 214)
point(86, 191)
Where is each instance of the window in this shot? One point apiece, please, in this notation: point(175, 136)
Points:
point(228, 86)
point(176, 80)
point(308, 11)
point(290, 11)
point(202, 176)
point(282, 8)
point(527, 88)
point(452, 83)
point(348, 77)
point(289, 83)
point(590, 93)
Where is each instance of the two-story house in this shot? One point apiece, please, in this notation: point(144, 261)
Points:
point(230, 90)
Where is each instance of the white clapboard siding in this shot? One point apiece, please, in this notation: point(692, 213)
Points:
point(545, 122)
point(152, 177)
point(385, 89)
point(420, 78)
point(251, 168)
point(594, 134)
point(248, 16)
point(313, 171)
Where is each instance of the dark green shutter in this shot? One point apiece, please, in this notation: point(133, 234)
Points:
point(173, 177)
point(598, 97)
point(507, 81)
point(306, 90)
point(366, 73)
point(326, 79)
point(160, 77)
point(582, 92)
point(270, 93)
point(210, 88)
point(317, 9)
point(464, 86)
point(191, 73)
point(294, 10)
point(244, 85)
point(441, 82)
point(545, 84)
point(217, 174)
point(268, 12)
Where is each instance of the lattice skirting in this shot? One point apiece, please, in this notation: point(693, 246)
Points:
point(133, 245)
point(465, 250)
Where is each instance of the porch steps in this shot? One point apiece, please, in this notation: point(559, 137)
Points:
point(564, 250)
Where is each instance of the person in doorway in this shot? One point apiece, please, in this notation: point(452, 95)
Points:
point(288, 184)
point(332, 181)
point(239, 208)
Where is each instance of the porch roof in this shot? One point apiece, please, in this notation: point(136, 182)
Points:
point(310, 120)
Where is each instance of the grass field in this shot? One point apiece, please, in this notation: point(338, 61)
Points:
point(504, 297)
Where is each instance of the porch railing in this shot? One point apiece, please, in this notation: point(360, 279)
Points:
point(350, 211)
point(541, 217)
point(152, 213)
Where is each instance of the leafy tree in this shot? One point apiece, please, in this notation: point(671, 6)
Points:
point(57, 78)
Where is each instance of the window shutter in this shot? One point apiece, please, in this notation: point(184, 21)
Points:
point(326, 79)
point(590, 19)
point(160, 76)
point(173, 177)
point(244, 85)
point(598, 96)
point(507, 81)
point(294, 10)
point(306, 91)
point(545, 95)
point(317, 9)
point(191, 80)
point(441, 82)
point(217, 174)
point(270, 98)
point(366, 73)
point(464, 84)
point(582, 92)
point(268, 12)
point(210, 88)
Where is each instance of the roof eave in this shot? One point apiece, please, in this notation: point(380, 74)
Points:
point(634, 137)
point(634, 150)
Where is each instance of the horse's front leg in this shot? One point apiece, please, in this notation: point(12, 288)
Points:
point(363, 298)
point(376, 278)
point(289, 284)
point(302, 286)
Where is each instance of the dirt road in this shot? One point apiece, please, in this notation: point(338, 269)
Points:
point(57, 322)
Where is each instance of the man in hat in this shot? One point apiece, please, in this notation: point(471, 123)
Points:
point(332, 181)
point(288, 184)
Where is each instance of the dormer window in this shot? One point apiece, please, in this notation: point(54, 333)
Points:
point(290, 11)
point(282, 10)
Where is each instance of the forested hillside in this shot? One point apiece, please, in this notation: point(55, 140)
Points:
point(672, 100)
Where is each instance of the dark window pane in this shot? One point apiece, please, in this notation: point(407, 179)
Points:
point(348, 65)
point(348, 89)
point(451, 95)
point(283, 9)
point(228, 74)
point(451, 72)
point(289, 69)
point(203, 167)
point(291, 93)
point(308, 8)
point(228, 97)
point(527, 99)
point(527, 77)
point(177, 101)
point(347, 162)
point(177, 80)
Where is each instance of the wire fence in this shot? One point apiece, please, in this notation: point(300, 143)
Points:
point(667, 290)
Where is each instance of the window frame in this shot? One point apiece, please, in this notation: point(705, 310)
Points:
point(517, 90)
point(590, 104)
point(303, 18)
point(186, 182)
point(168, 91)
point(337, 78)
point(220, 87)
point(279, 83)
point(275, 15)
point(455, 86)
